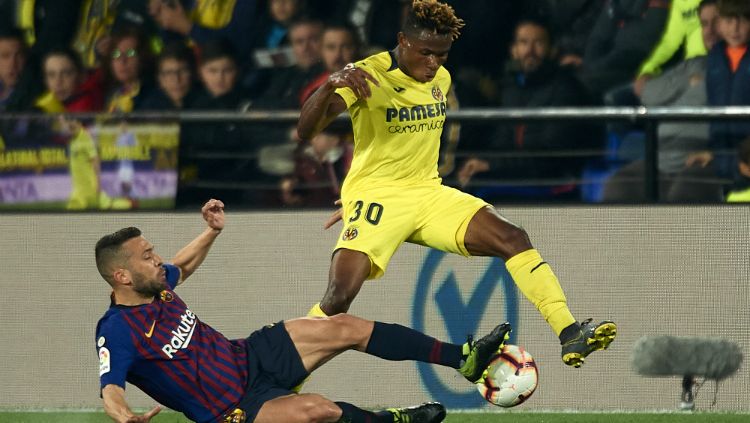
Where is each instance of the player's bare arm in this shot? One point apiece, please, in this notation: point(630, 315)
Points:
point(324, 105)
point(117, 408)
point(192, 255)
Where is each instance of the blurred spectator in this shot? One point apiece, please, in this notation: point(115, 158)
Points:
point(203, 21)
point(728, 84)
point(339, 46)
point(287, 84)
point(273, 26)
point(571, 22)
point(740, 190)
point(12, 63)
point(69, 89)
point(175, 68)
point(129, 71)
point(99, 19)
point(46, 24)
point(622, 38)
point(534, 79)
point(218, 70)
point(320, 166)
point(683, 29)
point(681, 85)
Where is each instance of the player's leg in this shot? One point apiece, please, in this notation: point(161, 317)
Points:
point(349, 270)
point(312, 408)
point(376, 223)
point(319, 340)
point(490, 234)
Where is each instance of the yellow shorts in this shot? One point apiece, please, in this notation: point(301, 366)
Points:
point(378, 220)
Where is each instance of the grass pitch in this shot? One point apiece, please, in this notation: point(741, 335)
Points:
point(453, 417)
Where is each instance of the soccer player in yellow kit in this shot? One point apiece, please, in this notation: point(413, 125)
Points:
point(393, 194)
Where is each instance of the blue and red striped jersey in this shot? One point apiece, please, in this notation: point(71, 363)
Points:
point(166, 351)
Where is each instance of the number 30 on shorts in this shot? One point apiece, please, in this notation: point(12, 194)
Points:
point(373, 214)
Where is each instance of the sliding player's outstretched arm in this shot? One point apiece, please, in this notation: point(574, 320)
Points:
point(192, 255)
point(324, 105)
point(117, 408)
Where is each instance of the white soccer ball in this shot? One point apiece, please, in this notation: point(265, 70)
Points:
point(512, 377)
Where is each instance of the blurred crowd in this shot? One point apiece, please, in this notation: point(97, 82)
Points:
point(238, 55)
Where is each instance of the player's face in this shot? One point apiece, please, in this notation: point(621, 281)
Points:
point(735, 30)
point(338, 49)
point(421, 56)
point(531, 47)
point(145, 267)
point(12, 61)
point(219, 76)
point(60, 76)
point(709, 18)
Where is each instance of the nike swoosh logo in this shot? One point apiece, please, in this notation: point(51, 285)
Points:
point(399, 89)
point(151, 331)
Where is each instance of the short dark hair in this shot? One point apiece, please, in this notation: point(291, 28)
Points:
point(108, 250)
point(348, 28)
point(177, 51)
point(432, 15)
point(216, 49)
point(705, 3)
point(734, 8)
point(67, 52)
point(537, 21)
point(12, 34)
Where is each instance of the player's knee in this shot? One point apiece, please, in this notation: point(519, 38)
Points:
point(350, 331)
point(315, 408)
point(510, 240)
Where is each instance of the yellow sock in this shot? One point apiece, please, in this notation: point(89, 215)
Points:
point(316, 311)
point(535, 279)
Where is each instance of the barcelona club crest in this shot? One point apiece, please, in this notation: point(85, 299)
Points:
point(350, 233)
point(437, 94)
point(166, 296)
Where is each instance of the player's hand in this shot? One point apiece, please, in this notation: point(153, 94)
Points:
point(701, 158)
point(354, 78)
point(335, 217)
point(213, 214)
point(144, 418)
point(470, 168)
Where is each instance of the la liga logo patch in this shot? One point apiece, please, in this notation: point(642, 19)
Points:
point(350, 233)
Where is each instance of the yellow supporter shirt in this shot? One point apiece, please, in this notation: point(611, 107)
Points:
point(397, 130)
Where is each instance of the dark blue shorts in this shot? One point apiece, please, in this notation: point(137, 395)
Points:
point(275, 367)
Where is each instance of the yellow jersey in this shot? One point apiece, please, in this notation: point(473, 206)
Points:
point(397, 130)
point(83, 175)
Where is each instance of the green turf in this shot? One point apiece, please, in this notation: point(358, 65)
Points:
point(171, 417)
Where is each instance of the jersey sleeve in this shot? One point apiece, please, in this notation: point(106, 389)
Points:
point(173, 274)
point(115, 350)
point(347, 94)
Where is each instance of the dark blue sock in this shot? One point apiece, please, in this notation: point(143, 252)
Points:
point(354, 414)
point(396, 343)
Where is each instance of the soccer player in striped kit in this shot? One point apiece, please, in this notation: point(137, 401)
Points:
point(150, 338)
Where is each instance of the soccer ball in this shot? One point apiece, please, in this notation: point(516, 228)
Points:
point(511, 377)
